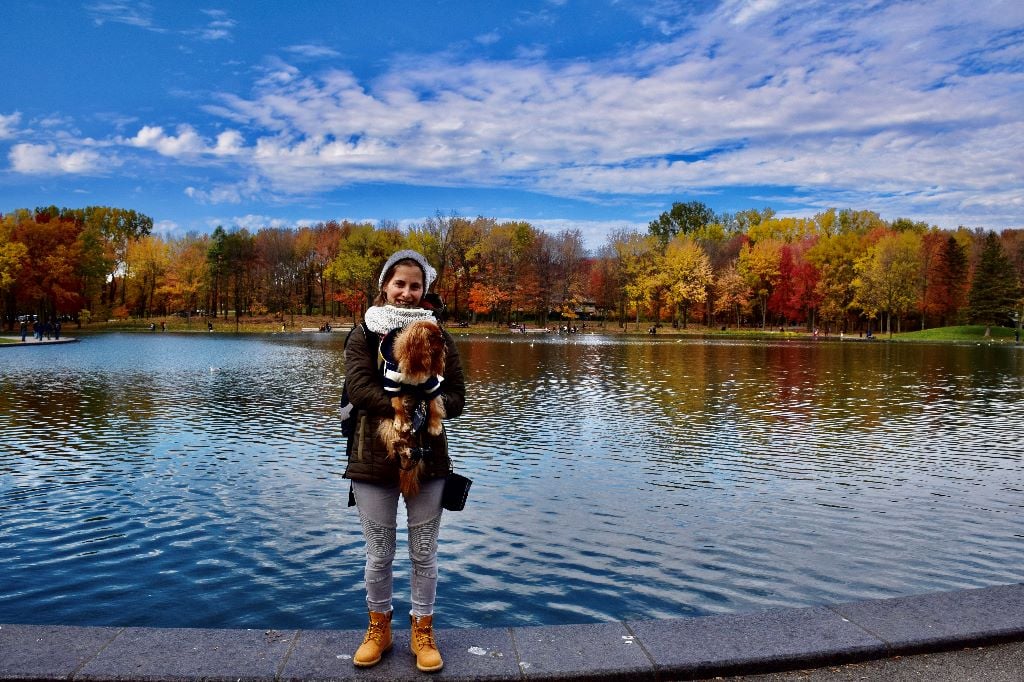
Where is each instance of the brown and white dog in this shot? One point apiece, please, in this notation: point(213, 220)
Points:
point(418, 351)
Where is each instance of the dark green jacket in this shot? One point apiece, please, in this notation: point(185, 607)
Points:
point(367, 454)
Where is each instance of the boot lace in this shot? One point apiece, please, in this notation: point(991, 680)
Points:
point(424, 635)
point(375, 631)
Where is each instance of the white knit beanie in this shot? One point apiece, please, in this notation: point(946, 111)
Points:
point(429, 273)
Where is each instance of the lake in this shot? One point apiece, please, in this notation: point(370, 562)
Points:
point(195, 480)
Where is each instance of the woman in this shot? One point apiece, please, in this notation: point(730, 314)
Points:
point(404, 279)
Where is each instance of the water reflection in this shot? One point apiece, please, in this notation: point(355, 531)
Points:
point(195, 480)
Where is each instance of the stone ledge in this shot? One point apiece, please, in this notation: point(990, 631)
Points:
point(691, 648)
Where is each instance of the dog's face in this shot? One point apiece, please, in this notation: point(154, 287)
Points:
point(419, 349)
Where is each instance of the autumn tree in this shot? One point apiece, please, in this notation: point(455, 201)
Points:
point(459, 238)
point(280, 255)
point(146, 260)
point(361, 253)
point(635, 259)
point(570, 257)
point(47, 282)
point(947, 292)
point(608, 279)
point(786, 230)
point(537, 286)
point(688, 274)
point(308, 280)
point(834, 257)
point(487, 298)
point(119, 227)
point(758, 263)
point(860, 222)
point(932, 242)
point(326, 243)
point(509, 256)
point(187, 274)
point(732, 293)
point(796, 296)
point(888, 276)
point(12, 253)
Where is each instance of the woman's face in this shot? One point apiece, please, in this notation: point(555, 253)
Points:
point(405, 288)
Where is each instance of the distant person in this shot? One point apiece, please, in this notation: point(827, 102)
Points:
point(209, 326)
point(37, 330)
point(24, 330)
point(56, 330)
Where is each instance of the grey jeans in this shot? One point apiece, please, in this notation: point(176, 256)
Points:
point(378, 512)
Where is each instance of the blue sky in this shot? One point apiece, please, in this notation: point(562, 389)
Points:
point(588, 114)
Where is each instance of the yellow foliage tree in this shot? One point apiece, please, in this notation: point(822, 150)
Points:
point(688, 272)
point(759, 265)
point(888, 277)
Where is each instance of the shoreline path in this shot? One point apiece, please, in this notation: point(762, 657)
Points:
point(932, 637)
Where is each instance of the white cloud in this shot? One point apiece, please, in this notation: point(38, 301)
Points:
point(8, 123)
point(218, 28)
point(841, 99)
point(139, 14)
point(44, 159)
point(226, 193)
point(741, 12)
point(186, 143)
point(229, 143)
point(313, 51)
point(251, 222)
point(214, 33)
point(166, 228)
point(38, 159)
point(488, 38)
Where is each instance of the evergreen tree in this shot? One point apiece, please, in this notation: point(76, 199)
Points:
point(951, 280)
point(995, 289)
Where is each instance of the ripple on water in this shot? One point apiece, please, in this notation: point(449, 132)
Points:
point(195, 480)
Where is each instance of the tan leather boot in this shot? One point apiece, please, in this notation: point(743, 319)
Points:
point(421, 642)
point(376, 641)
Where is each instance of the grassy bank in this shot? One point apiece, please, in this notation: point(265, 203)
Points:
point(266, 325)
point(975, 333)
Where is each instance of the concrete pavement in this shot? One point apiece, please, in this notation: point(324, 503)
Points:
point(879, 636)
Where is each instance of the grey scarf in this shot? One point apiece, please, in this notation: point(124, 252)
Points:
point(383, 318)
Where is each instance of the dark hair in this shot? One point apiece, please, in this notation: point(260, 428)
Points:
point(381, 300)
point(434, 302)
